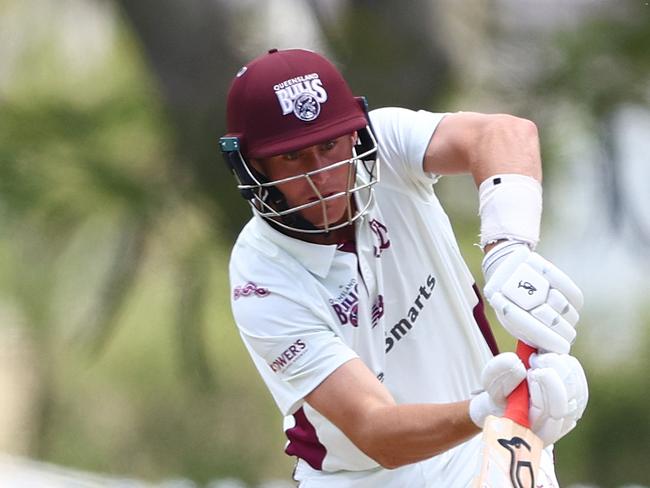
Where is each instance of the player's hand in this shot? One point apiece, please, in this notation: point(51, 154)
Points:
point(558, 395)
point(535, 301)
point(499, 377)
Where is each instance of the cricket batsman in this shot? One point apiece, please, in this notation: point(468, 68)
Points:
point(352, 297)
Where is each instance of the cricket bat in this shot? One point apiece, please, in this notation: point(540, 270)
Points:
point(511, 451)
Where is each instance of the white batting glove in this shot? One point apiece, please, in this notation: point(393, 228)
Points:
point(499, 377)
point(535, 301)
point(558, 395)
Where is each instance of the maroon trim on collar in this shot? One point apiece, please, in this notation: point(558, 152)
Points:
point(347, 246)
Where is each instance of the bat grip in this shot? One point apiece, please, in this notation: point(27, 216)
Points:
point(518, 401)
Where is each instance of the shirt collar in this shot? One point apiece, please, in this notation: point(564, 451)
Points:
point(317, 258)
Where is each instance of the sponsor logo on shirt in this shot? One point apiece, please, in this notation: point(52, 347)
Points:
point(381, 234)
point(377, 310)
point(404, 325)
point(288, 356)
point(346, 304)
point(249, 289)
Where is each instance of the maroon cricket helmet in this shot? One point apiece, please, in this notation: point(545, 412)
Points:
point(286, 100)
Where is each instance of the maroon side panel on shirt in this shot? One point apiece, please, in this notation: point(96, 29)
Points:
point(483, 324)
point(304, 443)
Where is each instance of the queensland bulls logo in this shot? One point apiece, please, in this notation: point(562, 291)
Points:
point(306, 107)
point(302, 95)
point(346, 304)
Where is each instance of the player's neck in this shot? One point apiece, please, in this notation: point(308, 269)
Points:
point(338, 236)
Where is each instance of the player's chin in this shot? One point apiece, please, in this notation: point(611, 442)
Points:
point(335, 213)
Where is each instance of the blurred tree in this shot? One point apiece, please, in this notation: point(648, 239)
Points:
point(189, 47)
point(598, 69)
point(602, 67)
point(388, 51)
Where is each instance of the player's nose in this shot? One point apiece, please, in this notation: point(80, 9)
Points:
point(318, 164)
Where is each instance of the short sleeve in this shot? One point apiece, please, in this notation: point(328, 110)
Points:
point(403, 137)
point(293, 347)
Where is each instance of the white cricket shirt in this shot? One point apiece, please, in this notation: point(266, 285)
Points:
point(404, 303)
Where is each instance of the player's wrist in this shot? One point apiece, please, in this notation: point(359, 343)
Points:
point(510, 207)
point(498, 252)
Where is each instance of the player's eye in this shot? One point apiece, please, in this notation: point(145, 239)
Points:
point(329, 145)
point(292, 156)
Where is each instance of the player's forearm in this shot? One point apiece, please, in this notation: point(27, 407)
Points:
point(397, 435)
point(504, 145)
point(484, 145)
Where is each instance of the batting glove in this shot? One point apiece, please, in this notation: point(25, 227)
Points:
point(534, 301)
point(558, 395)
point(499, 377)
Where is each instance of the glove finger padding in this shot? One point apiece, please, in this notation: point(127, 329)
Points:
point(557, 279)
point(535, 301)
point(499, 378)
point(558, 395)
point(554, 321)
point(561, 305)
point(527, 328)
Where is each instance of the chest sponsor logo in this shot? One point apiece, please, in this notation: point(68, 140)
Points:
point(249, 289)
point(346, 304)
point(288, 356)
point(302, 95)
point(399, 330)
point(377, 311)
point(381, 235)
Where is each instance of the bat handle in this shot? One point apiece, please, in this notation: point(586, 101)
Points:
point(518, 401)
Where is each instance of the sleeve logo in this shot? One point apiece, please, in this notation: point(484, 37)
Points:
point(249, 289)
point(288, 356)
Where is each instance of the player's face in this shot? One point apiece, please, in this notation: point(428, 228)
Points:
point(300, 191)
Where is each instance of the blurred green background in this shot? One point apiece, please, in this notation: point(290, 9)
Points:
point(118, 354)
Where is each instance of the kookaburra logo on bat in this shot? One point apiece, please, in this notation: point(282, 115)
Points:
point(521, 467)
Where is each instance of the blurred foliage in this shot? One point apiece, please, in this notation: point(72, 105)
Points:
point(123, 282)
point(407, 68)
point(113, 205)
point(598, 69)
point(191, 52)
point(604, 63)
point(611, 445)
